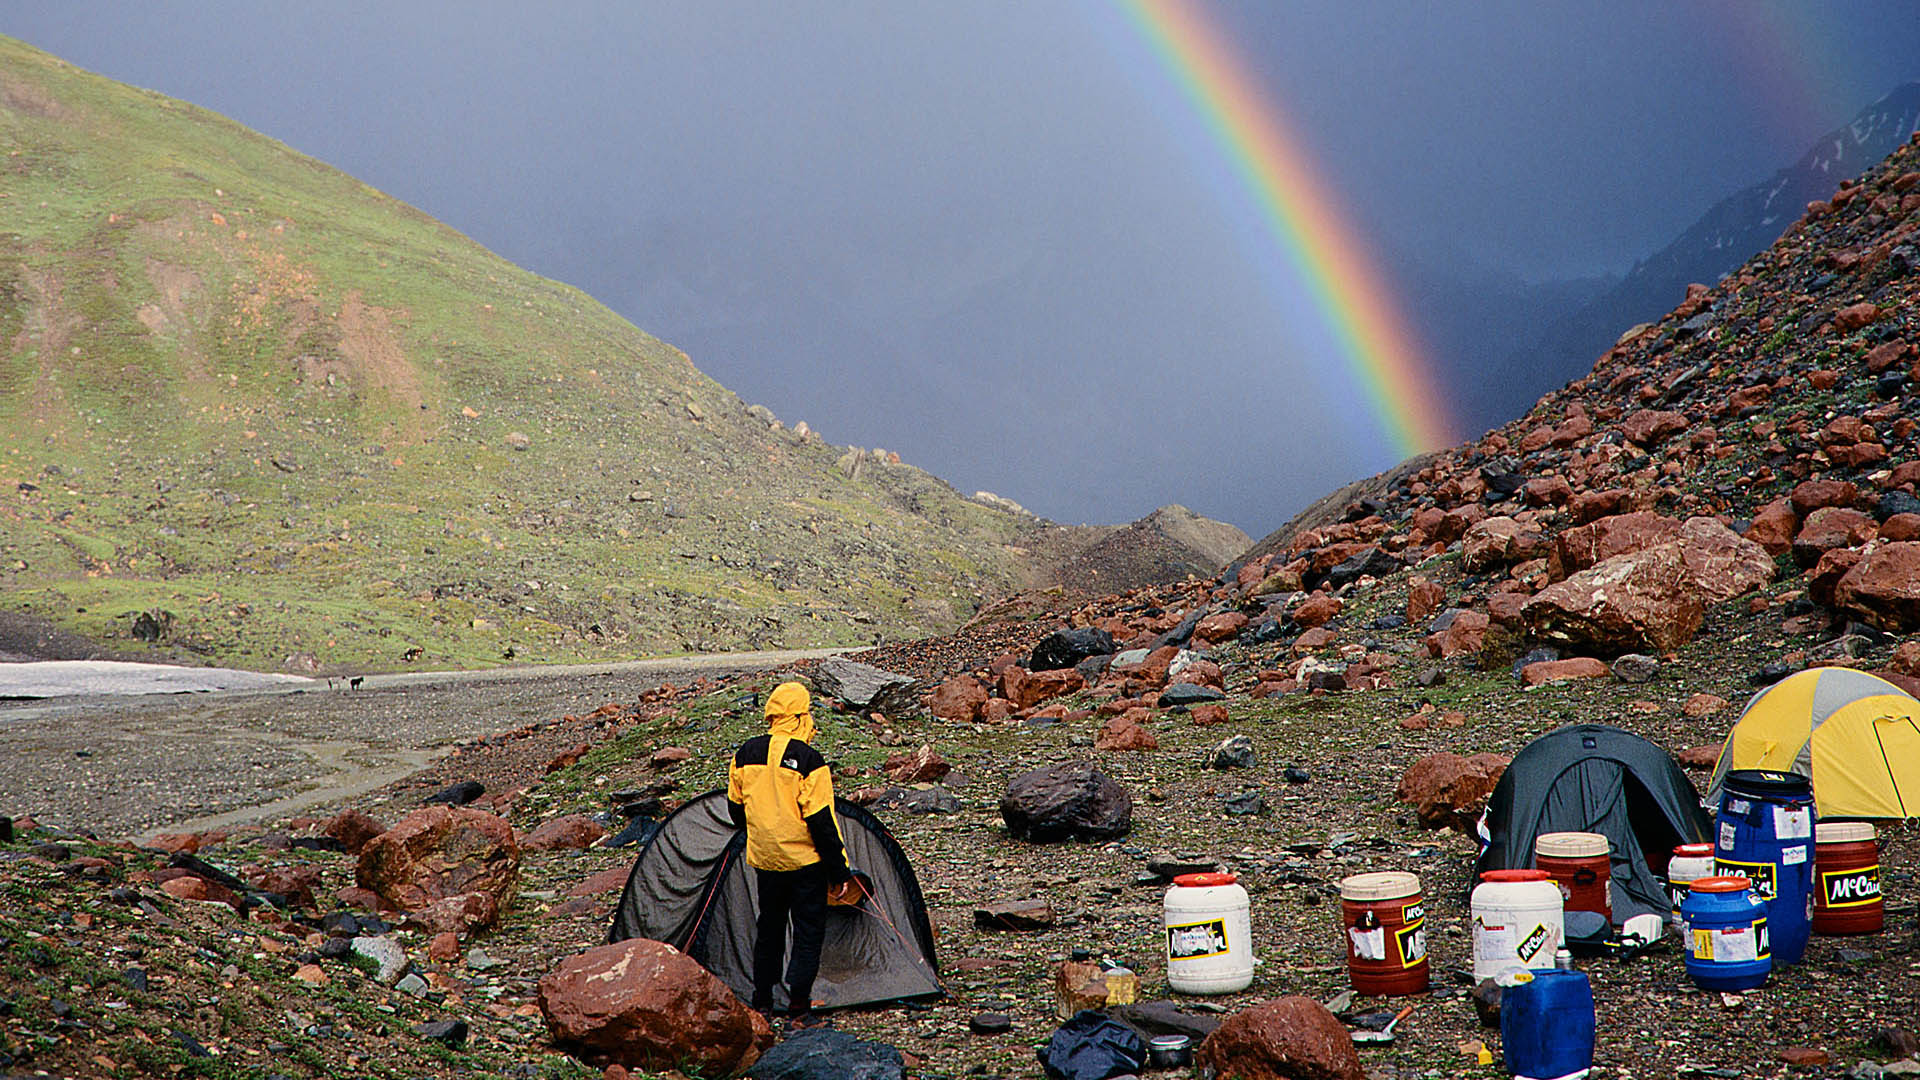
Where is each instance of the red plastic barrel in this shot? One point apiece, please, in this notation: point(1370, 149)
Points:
point(1384, 915)
point(1846, 875)
point(1579, 861)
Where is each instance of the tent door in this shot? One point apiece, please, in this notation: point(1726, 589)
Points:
point(1899, 741)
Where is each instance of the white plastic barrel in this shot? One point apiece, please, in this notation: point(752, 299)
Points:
point(1690, 862)
point(1209, 935)
point(1517, 922)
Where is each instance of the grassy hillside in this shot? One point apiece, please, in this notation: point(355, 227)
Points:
point(245, 389)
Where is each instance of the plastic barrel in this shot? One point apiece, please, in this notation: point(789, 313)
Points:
point(1517, 922)
point(1209, 934)
point(1846, 872)
point(1546, 1025)
point(1727, 947)
point(1384, 915)
point(1765, 834)
point(1690, 862)
point(1581, 863)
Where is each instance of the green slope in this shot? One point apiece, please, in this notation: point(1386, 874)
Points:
point(244, 388)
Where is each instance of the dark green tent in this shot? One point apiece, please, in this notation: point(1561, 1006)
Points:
point(1599, 779)
point(691, 888)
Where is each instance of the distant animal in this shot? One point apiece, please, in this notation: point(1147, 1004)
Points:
point(355, 682)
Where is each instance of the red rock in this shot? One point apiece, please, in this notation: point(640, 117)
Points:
point(1630, 603)
point(613, 877)
point(1883, 587)
point(1906, 659)
point(1029, 688)
point(1855, 316)
point(1721, 564)
point(569, 756)
point(1901, 527)
point(1215, 629)
point(1904, 475)
point(997, 711)
point(1773, 527)
point(1704, 705)
point(1292, 1038)
point(919, 767)
point(1845, 429)
point(1811, 495)
point(1826, 574)
point(1203, 673)
point(1804, 1057)
point(1315, 610)
point(1858, 455)
point(298, 883)
point(1124, 732)
point(1650, 428)
point(1446, 789)
point(1496, 542)
point(1588, 545)
point(668, 756)
point(444, 948)
point(187, 886)
point(1572, 430)
point(1457, 521)
point(1507, 609)
point(462, 916)
point(1908, 683)
point(439, 852)
point(1467, 633)
point(1593, 505)
point(962, 698)
point(1317, 638)
point(1885, 355)
point(1424, 597)
point(569, 832)
point(354, 896)
point(1542, 672)
point(1699, 757)
point(642, 1005)
point(1546, 491)
point(1208, 714)
point(1827, 528)
point(1821, 379)
point(1537, 439)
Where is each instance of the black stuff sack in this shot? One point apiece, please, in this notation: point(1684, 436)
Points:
point(1092, 1047)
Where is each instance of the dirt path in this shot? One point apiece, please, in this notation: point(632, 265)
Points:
point(125, 767)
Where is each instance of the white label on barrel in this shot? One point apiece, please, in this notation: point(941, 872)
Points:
point(1793, 856)
point(1738, 806)
point(1369, 944)
point(1492, 944)
point(1727, 834)
point(1792, 823)
point(1194, 940)
point(1734, 945)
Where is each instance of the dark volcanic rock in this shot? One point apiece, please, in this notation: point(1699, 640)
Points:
point(1069, 801)
point(1066, 648)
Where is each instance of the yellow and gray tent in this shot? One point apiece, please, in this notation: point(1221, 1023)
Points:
point(1854, 735)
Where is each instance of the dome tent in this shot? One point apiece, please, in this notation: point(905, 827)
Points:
point(1599, 779)
point(1853, 735)
point(691, 888)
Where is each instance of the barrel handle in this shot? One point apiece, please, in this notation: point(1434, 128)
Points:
point(1585, 876)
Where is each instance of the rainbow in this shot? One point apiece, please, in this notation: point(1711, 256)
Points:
point(1305, 220)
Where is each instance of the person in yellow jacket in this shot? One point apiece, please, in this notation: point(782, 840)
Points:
point(780, 790)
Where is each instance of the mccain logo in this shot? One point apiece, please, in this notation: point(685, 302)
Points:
point(1846, 888)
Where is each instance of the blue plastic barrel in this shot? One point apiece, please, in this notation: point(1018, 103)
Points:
point(1727, 947)
point(1765, 835)
point(1546, 1025)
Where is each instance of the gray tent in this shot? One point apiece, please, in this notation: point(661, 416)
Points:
point(690, 887)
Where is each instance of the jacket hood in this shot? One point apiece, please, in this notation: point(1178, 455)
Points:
point(787, 712)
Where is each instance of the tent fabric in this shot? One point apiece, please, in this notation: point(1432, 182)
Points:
point(1594, 778)
point(691, 888)
point(1855, 736)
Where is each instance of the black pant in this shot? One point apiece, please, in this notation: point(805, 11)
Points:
point(802, 896)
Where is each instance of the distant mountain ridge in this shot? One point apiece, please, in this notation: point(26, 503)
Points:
point(1732, 231)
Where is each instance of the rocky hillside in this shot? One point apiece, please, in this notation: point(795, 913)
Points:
point(262, 415)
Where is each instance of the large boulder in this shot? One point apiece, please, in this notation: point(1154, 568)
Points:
point(961, 698)
point(1029, 688)
point(864, 686)
point(441, 852)
point(1588, 545)
point(1291, 1038)
point(1066, 648)
point(1643, 602)
point(823, 1054)
point(1448, 790)
point(1458, 631)
point(1722, 563)
point(1831, 527)
point(642, 1004)
point(1496, 542)
point(1883, 588)
point(1068, 801)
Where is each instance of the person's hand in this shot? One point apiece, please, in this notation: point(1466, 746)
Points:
point(844, 892)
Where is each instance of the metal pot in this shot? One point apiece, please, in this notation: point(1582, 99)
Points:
point(1170, 1051)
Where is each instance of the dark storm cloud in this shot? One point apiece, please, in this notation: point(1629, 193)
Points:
point(988, 235)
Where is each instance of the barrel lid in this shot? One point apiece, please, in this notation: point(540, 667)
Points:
point(1726, 883)
point(1843, 832)
point(1171, 1042)
point(1693, 851)
point(1511, 877)
point(1571, 845)
point(1762, 783)
point(1380, 885)
point(1202, 881)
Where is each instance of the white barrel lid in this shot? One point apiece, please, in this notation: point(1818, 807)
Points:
point(1571, 845)
point(1843, 832)
point(1380, 885)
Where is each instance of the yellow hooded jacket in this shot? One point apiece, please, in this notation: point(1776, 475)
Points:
point(780, 789)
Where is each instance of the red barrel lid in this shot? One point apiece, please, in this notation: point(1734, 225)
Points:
point(1508, 877)
point(1202, 881)
point(1693, 850)
point(1727, 883)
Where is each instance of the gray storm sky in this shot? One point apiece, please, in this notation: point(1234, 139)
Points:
point(992, 236)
